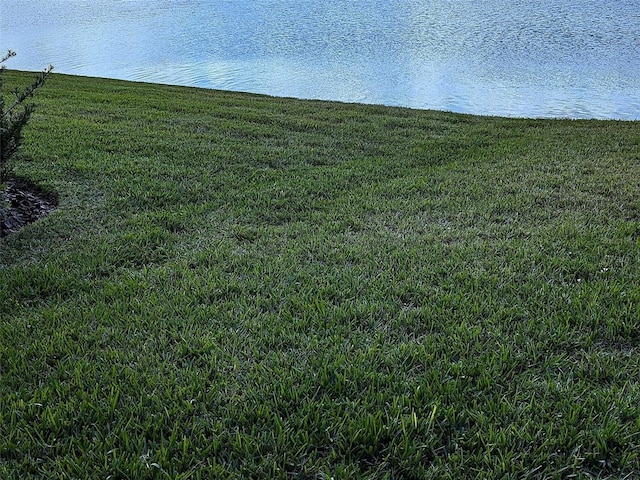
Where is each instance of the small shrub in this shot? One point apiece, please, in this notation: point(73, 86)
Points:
point(15, 116)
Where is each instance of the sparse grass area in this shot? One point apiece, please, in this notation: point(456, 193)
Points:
point(236, 286)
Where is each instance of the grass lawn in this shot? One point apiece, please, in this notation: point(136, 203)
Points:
point(238, 286)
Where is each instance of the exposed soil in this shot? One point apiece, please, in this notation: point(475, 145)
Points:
point(23, 202)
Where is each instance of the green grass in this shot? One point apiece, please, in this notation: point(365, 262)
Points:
point(238, 286)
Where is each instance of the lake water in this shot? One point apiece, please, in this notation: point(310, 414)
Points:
point(549, 58)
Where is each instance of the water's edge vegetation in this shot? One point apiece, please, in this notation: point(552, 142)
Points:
point(240, 286)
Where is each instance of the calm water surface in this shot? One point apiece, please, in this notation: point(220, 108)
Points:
point(550, 58)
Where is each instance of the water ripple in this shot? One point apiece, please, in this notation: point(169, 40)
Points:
point(552, 58)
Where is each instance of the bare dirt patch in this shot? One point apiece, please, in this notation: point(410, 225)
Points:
point(23, 202)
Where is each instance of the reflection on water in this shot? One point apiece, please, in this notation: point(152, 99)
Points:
point(551, 58)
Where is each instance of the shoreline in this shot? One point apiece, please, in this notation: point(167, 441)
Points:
point(488, 115)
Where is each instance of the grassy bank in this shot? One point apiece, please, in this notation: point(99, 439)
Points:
point(236, 286)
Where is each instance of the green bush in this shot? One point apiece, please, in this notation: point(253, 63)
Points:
point(15, 116)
